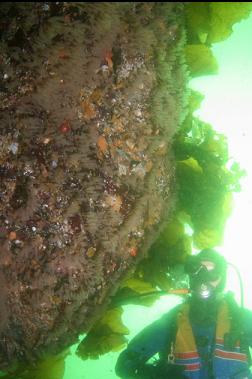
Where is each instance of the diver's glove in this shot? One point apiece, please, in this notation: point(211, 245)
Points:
point(161, 370)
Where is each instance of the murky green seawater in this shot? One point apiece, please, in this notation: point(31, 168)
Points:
point(135, 318)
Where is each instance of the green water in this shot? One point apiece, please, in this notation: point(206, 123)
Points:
point(227, 106)
point(135, 318)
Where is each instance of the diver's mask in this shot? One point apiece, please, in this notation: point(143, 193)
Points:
point(207, 274)
point(204, 281)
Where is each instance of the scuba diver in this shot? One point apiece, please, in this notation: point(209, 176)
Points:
point(207, 336)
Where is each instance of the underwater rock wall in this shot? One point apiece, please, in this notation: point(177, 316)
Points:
point(91, 96)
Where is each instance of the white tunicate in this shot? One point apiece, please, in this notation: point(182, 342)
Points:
point(140, 233)
point(46, 7)
point(27, 170)
point(122, 170)
point(59, 243)
point(104, 68)
point(14, 147)
point(138, 113)
point(54, 164)
point(139, 170)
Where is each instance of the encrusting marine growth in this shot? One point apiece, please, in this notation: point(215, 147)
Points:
point(94, 118)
